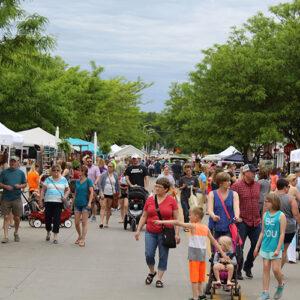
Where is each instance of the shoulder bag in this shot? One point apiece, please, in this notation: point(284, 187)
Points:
point(115, 202)
point(168, 234)
point(232, 226)
point(63, 200)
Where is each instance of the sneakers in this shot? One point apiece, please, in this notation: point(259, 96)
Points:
point(203, 297)
point(264, 296)
point(16, 237)
point(93, 218)
point(279, 291)
point(239, 276)
point(4, 240)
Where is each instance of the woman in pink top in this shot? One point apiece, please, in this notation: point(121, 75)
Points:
point(153, 237)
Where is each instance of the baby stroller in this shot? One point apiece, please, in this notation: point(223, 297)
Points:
point(235, 289)
point(137, 196)
point(37, 218)
point(29, 205)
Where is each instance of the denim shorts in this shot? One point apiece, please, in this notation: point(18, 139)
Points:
point(81, 209)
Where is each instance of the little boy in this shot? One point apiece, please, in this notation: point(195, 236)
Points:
point(197, 249)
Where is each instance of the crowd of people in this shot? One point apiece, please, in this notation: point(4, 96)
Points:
point(261, 205)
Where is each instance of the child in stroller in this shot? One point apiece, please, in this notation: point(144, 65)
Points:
point(223, 269)
point(223, 272)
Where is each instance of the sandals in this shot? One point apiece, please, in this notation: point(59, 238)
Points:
point(149, 278)
point(159, 284)
point(81, 243)
point(217, 284)
point(77, 242)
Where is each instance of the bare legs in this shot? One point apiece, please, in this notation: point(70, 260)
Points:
point(105, 210)
point(81, 220)
point(220, 267)
point(197, 290)
point(123, 203)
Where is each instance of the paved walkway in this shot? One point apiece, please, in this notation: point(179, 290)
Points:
point(110, 267)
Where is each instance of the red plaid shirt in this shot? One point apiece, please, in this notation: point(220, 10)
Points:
point(249, 201)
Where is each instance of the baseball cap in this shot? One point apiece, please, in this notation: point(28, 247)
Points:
point(249, 167)
point(135, 155)
point(16, 158)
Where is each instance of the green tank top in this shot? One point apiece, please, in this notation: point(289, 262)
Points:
point(271, 231)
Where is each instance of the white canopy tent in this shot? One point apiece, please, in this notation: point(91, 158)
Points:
point(295, 156)
point(216, 157)
point(38, 136)
point(114, 148)
point(129, 150)
point(9, 137)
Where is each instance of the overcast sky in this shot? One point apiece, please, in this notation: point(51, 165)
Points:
point(157, 40)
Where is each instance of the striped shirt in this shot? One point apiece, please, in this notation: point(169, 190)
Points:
point(55, 189)
point(198, 242)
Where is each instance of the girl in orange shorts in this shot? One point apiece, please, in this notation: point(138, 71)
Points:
point(197, 249)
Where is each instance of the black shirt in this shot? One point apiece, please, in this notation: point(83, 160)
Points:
point(188, 181)
point(136, 174)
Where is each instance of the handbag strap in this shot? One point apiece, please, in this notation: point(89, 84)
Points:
point(224, 206)
point(110, 183)
point(157, 208)
point(56, 187)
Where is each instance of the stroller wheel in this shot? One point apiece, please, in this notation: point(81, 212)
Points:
point(68, 223)
point(37, 223)
point(133, 225)
point(31, 221)
point(125, 223)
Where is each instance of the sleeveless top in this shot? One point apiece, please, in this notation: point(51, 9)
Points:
point(197, 243)
point(271, 232)
point(285, 207)
point(223, 224)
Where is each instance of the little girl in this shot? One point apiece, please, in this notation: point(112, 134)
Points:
point(271, 241)
point(197, 249)
point(220, 264)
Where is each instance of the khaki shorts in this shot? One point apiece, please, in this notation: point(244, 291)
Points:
point(14, 206)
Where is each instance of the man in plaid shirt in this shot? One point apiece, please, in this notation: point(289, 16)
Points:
point(248, 191)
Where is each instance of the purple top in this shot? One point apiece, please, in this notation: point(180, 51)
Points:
point(93, 173)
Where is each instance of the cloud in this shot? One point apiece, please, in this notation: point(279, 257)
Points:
point(159, 41)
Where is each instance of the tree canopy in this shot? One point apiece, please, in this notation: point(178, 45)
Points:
point(38, 89)
point(244, 92)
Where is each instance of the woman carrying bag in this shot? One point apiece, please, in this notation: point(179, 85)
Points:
point(220, 219)
point(55, 192)
point(161, 206)
point(109, 191)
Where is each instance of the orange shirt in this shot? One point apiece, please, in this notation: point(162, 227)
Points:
point(273, 179)
point(33, 179)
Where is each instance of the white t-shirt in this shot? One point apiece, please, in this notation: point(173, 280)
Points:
point(110, 183)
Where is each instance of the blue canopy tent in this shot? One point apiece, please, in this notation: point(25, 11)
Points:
point(82, 145)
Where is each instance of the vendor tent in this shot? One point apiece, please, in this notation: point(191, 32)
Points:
point(38, 136)
point(235, 157)
point(9, 137)
point(222, 155)
point(129, 150)
point(81, 145)
point(295, 156)
point(114, 148)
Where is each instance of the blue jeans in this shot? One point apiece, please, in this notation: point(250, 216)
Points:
point(252, 233)
point(186, 210)
point(152, 241)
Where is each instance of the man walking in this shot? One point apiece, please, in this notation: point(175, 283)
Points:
point(248, 191)
point(136, 174)
point(289, 206)
point(12, 181)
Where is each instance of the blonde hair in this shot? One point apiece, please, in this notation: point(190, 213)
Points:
point(291, 177)
point(226, 242)
point(275, 200)
point(198, 211)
